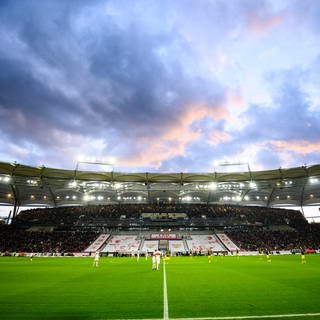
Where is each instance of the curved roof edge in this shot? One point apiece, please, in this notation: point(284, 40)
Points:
point(16, 169)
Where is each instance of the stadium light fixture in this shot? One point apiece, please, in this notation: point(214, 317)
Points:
point(228, 164)
point(213, 186)
point(252, 185)
point(93, 161)
point(117, 185)
point(73, 184)
point(4, 179)
point(32, 182)
point(86, 197)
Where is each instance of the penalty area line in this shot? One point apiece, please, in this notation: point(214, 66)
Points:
point(274, 316)
point(270, 316)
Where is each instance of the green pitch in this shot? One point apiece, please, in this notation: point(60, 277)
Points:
point(122, 288)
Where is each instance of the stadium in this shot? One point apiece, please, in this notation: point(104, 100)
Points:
point(159, 160)
point(214, 230)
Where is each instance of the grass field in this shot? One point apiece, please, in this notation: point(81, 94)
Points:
point(122, 288)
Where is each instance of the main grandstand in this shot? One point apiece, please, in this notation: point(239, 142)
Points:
point(124, 213)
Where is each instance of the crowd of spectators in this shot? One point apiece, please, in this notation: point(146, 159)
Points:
point(254, 240)
point(195, 214)
point(14, 239)
point(252, 228)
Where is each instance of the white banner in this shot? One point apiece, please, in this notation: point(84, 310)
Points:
point(98, 243)
point(163, 236)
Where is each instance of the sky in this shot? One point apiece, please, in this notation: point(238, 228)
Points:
point(160, 86)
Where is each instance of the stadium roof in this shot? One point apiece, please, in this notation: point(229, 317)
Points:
point(24, 185)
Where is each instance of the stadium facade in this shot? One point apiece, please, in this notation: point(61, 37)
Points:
point(23, 185)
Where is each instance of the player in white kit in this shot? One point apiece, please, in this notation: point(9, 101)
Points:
point(156, 260)
point(96, 259)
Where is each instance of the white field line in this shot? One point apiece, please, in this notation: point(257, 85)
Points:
point(274, 316)
point(165, 293)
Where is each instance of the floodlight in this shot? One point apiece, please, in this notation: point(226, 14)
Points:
point(73, 184)
point(213, 186)
point(252, 185)
point(117, 185)
point(6, 179)
point(86, 197)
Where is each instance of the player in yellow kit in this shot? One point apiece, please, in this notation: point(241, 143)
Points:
point(303, 257)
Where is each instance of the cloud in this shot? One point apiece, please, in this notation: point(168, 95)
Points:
point(217, 137)
point(172, 142)
point(144, 83)
point(302, 147)
point(259, 23)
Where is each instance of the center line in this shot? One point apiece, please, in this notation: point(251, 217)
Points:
point(165, 293)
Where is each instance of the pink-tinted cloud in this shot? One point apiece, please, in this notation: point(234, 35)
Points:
point(216, 137)
point(235, 98)
point(302, 147)
point(260, 23)
point(174, 139)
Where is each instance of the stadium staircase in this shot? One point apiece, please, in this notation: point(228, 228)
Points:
point(141, 244)
point(222, 244)
point(185, 245)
